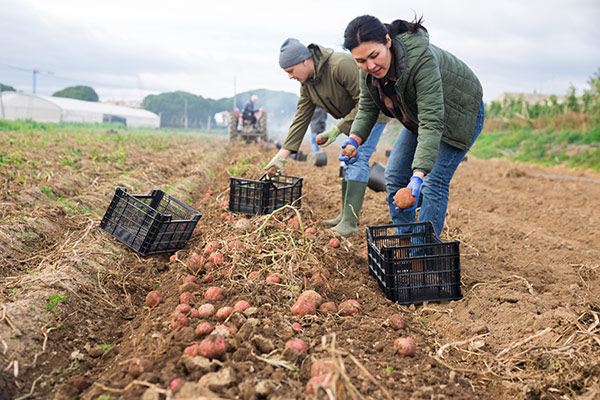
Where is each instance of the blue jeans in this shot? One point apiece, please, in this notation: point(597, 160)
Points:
point(313, 142)
point(436, 185)
point(359, 171)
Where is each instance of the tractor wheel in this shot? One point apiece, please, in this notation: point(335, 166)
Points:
point(263, 127)
point(232, 126)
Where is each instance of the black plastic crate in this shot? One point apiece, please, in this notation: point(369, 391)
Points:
point(412, 265)
point(265, 195)
point(149, 224)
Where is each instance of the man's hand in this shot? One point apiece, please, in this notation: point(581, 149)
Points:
point(415, 186)
point(275, 166)
point(326, 138)
point(349, 152)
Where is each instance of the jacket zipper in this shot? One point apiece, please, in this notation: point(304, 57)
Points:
point(321, 99)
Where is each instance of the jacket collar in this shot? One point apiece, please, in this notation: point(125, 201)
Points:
point(320, 57)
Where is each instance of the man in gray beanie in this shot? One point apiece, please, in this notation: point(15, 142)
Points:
point(329, 80)
point(292, 52)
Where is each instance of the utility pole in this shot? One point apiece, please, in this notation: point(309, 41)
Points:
point(185, 117)
point(35, 72)
point(234, 105)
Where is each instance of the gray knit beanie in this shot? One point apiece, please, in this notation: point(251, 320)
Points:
point(292, 52)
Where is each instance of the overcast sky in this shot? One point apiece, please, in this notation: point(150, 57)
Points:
point(127, 49)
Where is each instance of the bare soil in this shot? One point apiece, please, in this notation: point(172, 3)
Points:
point(73, 313)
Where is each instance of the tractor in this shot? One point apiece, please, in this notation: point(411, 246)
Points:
point(246, 128)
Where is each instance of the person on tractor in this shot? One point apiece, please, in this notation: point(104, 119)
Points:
point(249, 112)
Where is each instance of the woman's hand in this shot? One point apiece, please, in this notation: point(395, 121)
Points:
point(349, 152)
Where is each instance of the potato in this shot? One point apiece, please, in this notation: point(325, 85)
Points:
point(310, 231)
point(321, 139)
point(294, 223)
point(226, 329)
point(319, 381)
point(312, 297)
point(203, 329)
point(296, 327)
point(187, 298)
point(138, 366)
point(349, 308)
point(179, 321)
point(328, 308)
point(243, 225)
point(184, 309)
point(405, 346)
point(153, 299)
point(322, 366)
point(214, 293)
point(274, 278)
point(189, 279)
point(196, 262)
point(303, 307)
point(211, 247)
point(241, 305)
point(173, 258)
point(208, 278)
point(404, 198)
point(236, 245)
point(254, 275)
point(223, 313)
point(79, 382)
point(214, 346)
point(216, 258)
point(396, 322)
point(175, 384)
point(190, 287)
point(335, 243)
point(206, 310)
point(318, 281)
point(297, 346)
point(225, 216)
point(194, 313)
point(191, 350)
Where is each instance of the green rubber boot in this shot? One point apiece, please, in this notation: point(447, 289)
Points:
point(336, 220)
point(355, 194)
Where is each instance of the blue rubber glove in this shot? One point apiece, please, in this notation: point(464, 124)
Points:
point(349, 159)
point(414, 185)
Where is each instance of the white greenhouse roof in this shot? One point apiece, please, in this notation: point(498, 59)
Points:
point(17, 105)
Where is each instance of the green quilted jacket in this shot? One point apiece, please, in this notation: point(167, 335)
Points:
point(439, 93)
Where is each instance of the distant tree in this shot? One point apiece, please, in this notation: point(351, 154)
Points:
point(6, 88)
point(78, 92)
point(571, 103)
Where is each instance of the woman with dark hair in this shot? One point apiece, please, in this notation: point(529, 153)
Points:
point(436, 97)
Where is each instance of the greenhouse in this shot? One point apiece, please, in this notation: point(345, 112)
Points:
point(17, 105)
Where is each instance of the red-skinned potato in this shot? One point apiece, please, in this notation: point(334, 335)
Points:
point(273, 278)
point(175, 384)
point(404, 198)
point(297, 346)
point(223, 313)
point(173, 258)
point(396, 322)
point(211, 247)
point(296, 327)
point(190, 287)
point(310, 231)
point(254, 275)
point(153, 299)
point(216, 258)
point(303, 307)
point(203, 329)
point(321, 139)
point(405, 346)
point(187, 298)
point(196, 262)
point(191, 350)
point(236, 245)
point(319, 381)
point(243, 225)
point(138, 366)
point(335, 243)
point(322, 366)
point(179, 321)
point(189, 279)
point(214, 346)
point(312, 297)
point(184, 309)
point(208, 278)
point(241, 305)
point(206, 310)
point(349, 308)
point(214, 293)
point(328, 308)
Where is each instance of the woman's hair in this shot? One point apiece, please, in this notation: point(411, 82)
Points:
point(367, 28)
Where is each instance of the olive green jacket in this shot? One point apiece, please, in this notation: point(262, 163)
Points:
point(439, 93)
point(334, 87)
